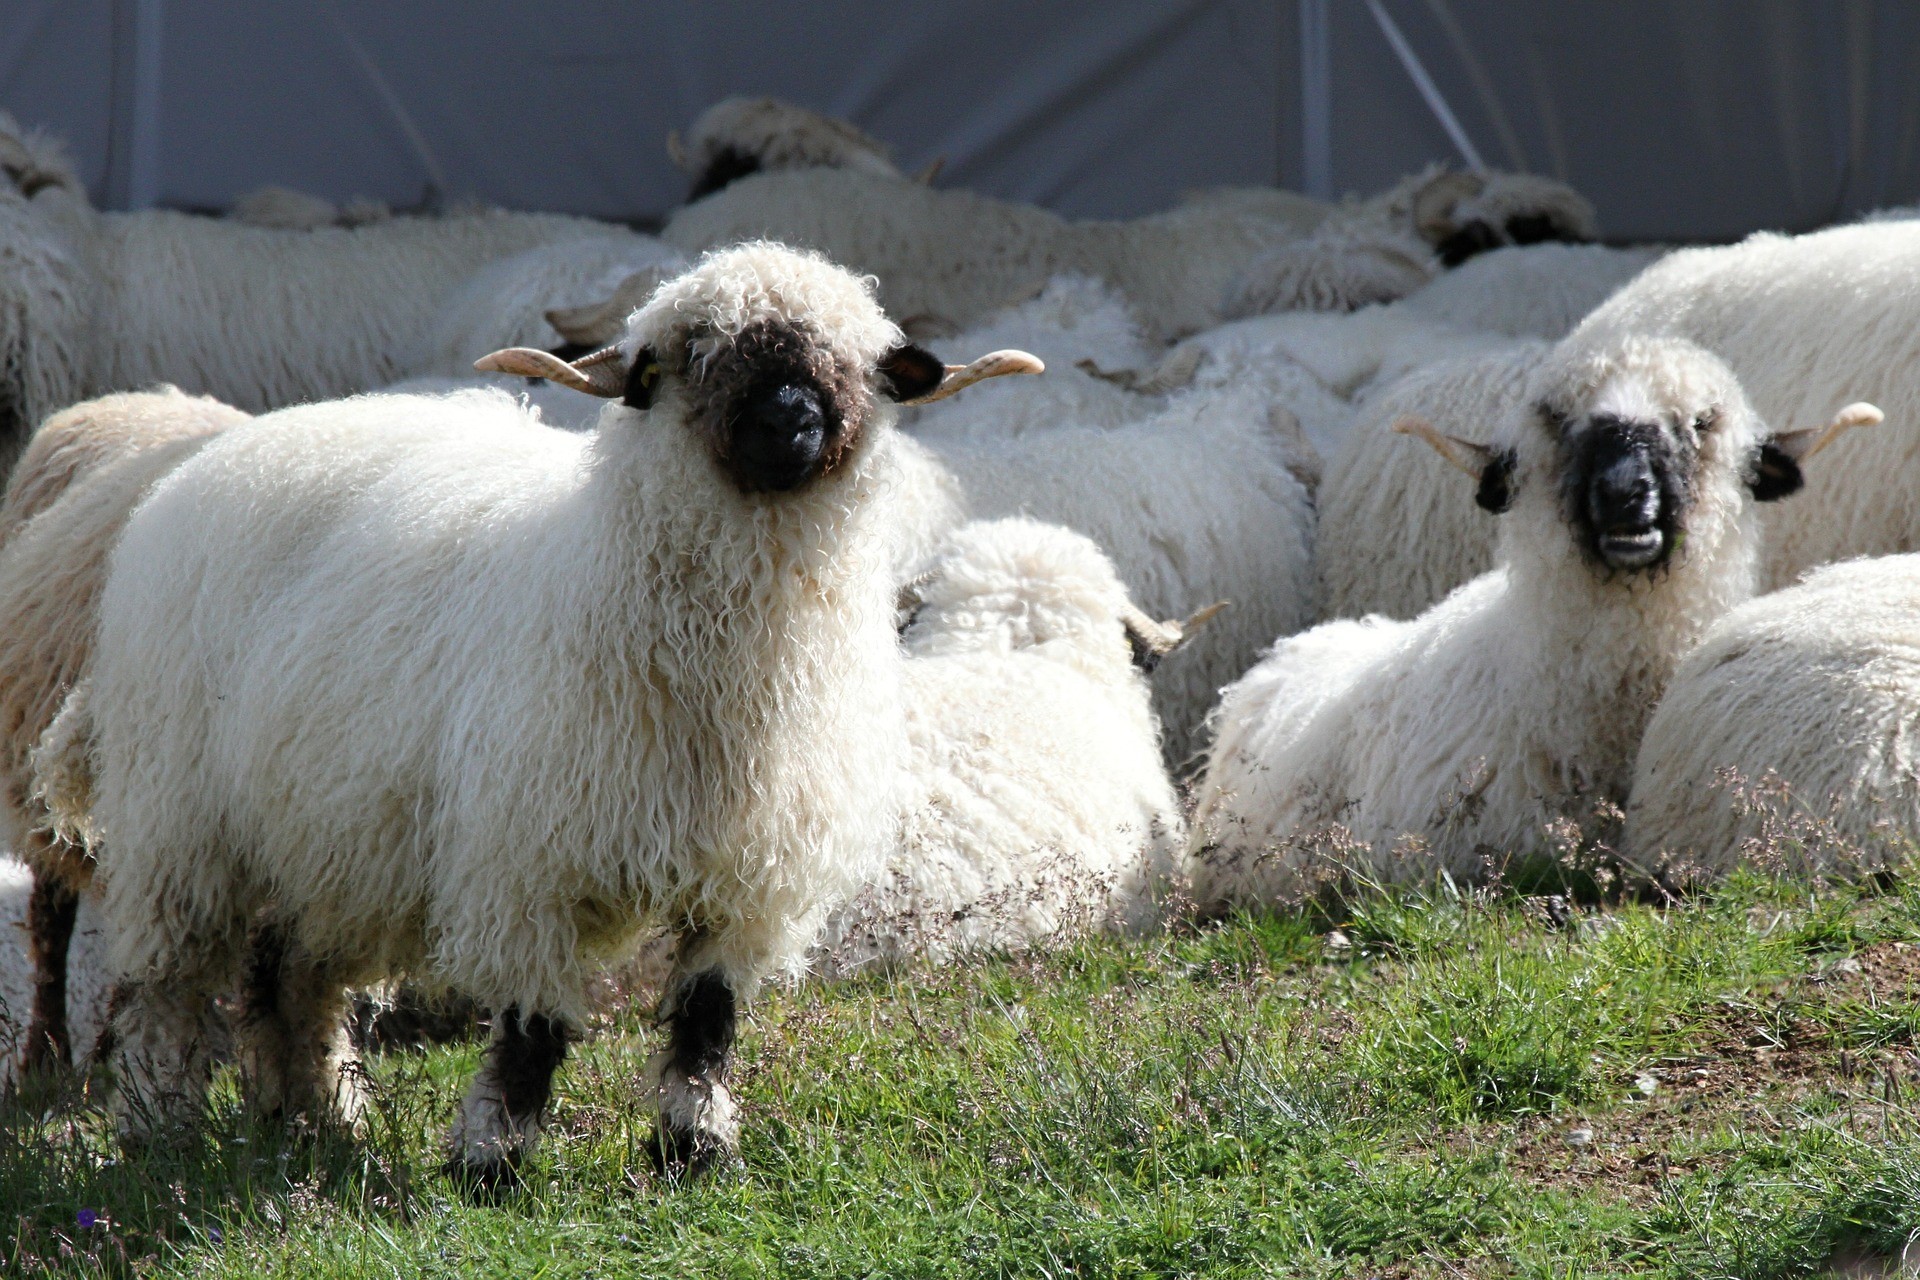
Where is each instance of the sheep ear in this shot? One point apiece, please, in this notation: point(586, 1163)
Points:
point(910, 372)
point(598, 323)
point(603, 373)
point(1151, 641)
point(958, 377)
point(1491, 469)
point(1776, 469)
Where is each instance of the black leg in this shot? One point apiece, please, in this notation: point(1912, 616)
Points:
point(500, 1119)
point(51, 910)
point(696, 1127)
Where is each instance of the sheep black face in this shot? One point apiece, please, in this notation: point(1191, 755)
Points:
point(778, 408)
point(1627, 485)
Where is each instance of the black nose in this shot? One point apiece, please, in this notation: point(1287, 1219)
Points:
point(1624, 505)
point(779, 437)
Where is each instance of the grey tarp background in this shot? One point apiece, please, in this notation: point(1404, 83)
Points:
point(1686, 119)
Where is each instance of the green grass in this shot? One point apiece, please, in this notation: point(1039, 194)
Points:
point(1722, 1088)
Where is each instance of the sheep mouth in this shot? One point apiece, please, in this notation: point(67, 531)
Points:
point(1632, 548)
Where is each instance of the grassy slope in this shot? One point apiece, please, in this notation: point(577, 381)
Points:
point(1241, 1100)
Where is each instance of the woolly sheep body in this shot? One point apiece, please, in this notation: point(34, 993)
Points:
point(1036, 805)
point(491, 697)
point(1817, 685)
point(1398, 530)
point(1531, 291)
point(770, 134)
point(1195, 504)
point(1515, 702)
point(957, 256)
point(1807, 322)
point(86, 967)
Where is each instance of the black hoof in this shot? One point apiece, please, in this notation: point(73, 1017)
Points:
point(484, 1181)
point(681, 1153)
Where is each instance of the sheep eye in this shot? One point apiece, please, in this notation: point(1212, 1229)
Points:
point(1706, 422)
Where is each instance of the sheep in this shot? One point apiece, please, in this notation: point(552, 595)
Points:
point(1037, 805)
point(1536, 291)
point(1397, 530)
point(1805, 699)
point(490, 698)
point(20, 981)
point(1199, 502)
point(290, 210)
point(92, 302)
point(1805, 321)
point(738, 136)
point(1383, 248)
point(81, 475)
point(1461, 740)
point(956, 257)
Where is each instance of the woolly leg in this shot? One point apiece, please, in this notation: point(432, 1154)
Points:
point(499, 1121)
point(50, 915)
point(293, 1038)
point(697, 1125)
point(162, 1052)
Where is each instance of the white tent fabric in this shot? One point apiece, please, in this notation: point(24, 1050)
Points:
point(1681, 119)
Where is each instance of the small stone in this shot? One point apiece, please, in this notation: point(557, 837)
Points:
point(1579, 1137)
point(1647, 1083)
point(1338, 941)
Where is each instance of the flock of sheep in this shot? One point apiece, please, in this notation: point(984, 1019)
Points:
point(573, 587)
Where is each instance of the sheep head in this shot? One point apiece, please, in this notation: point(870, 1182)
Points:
point(776, 359)
point(1629, 442)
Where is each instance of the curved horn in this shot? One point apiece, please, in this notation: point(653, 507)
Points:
point(1465, 454)
point(1432, 207)
point(926, 176)
point(602, 374)
point(1152, 640)
point(601, 322)
point(1807, 441)
point(995, 364)
point(676, 150)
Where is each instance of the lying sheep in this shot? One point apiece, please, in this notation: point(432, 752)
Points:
point(490, 698)
point(1198, 503)
point(1383, 248)
point(1540, 291)
point(1455, 742)
point(1788, 735)
point(83, 472)
point(1037, 806)
point(1398, 531)
point(93, 302)
point(739, 136)
point(1806, 321)
point(289, 210)
point(957, 257)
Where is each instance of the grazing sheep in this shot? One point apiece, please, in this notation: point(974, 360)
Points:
point(93, 302)
point(956, 257)
point(490, 698)
point(1200, 502)
point(1398, 531)
point(738, 136)
point(1789, 734)
point(1457, 740)
point(1806, 321)
point(290, 210)
point(82, 474)
point(1383, 248)
point(1037, 807)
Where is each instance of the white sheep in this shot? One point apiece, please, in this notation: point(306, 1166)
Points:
point(1536, 291)
point(955, 257)
point(92, 302)
point(1037, 806)
point(1385, 247)
point(738, 136)
point(83, 472)
point(1200, 502)
point(1398, 531)
point(489, 698)
point(1453, 743)
point(290, 210)
point(1806, 321)
point(1789, 735)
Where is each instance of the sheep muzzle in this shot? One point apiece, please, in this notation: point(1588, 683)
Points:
point(1627, 491)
